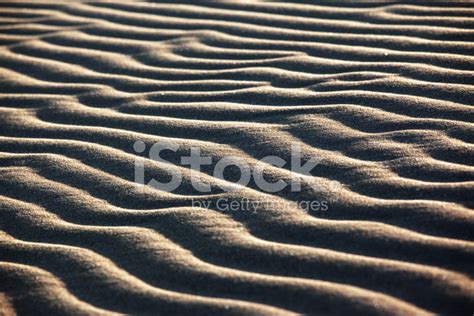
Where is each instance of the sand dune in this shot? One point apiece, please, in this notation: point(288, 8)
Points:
point(381, 93)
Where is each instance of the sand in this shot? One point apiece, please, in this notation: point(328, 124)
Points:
point(380, 93)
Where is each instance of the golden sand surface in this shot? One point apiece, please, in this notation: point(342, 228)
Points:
point(381, 92)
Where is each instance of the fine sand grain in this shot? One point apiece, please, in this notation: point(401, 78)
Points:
point(382, 93)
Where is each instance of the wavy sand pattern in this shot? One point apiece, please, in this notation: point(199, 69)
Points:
point(382, 93)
